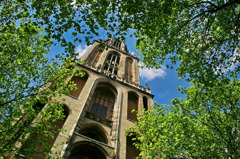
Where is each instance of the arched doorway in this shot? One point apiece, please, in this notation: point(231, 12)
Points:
point(87, 150)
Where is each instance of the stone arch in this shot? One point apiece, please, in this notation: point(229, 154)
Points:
point(87, 150)
point(107, 81)
point(109, 85)
point(80, 83)
point(129, 69)
point(145, 103)
point(103, 100)
point(132, 104)
point(40, 150)
point(111, 64)
point(94, 131)
point(40, 103)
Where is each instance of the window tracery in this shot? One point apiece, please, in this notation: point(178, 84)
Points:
point(112, 63)
point(102, 103)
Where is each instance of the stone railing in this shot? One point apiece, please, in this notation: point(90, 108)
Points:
point(99, 119)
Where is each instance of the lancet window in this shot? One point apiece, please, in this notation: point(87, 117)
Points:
point(117, 44)
point(37, 140)
point(80, 82)
point(112, 63)
point(132, 104)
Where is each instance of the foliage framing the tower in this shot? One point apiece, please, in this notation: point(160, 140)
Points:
point(201, 36)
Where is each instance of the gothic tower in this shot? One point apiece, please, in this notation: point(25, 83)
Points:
point(100, 110)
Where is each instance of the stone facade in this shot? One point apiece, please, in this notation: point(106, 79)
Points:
point(98, 115)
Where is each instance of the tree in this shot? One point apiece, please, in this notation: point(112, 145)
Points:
point(193, 35)
point(201, 37)
point(203, 125)
point(26, 76)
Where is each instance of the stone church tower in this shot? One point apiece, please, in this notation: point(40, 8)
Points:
point(100, 110)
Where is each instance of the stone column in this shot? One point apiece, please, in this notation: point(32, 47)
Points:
point(140, 104)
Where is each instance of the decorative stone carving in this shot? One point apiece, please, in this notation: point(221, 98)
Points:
point(99, 67)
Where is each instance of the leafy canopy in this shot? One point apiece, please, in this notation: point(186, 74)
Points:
point(203, 125)
point(202, 37)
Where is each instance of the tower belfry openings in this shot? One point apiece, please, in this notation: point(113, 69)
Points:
point(100, 109)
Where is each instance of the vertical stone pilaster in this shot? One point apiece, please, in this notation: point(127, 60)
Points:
point(102, 58)
point(136, 77)
point(122, 65)
point(86, 96)
point(150, 103)
point(89, 50)
point(124, 125)
point(72, 122)
point(116, 120)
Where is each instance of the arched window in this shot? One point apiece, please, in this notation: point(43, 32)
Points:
point(132, 104)
point(58, 124)
point(102, 103)
point(93, 132)
point(112, 63)
point(80, 82)
point(94, 56)
point(145, 103)
point(129, 70)
point(132, 151)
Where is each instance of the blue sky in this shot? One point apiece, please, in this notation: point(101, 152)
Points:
point(162, 82)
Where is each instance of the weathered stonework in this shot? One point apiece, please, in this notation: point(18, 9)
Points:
point(80, 118)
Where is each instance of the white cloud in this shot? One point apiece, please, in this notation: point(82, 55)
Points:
point(151, 74)
point(132, 53)
point(81, 50)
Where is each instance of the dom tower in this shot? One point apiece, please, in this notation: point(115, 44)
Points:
point(100, 110)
